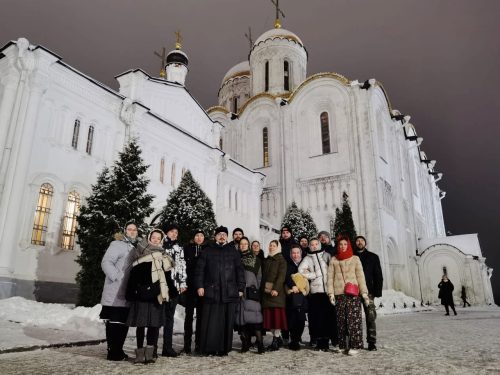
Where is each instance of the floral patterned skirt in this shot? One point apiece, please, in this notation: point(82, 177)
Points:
point(349, 322)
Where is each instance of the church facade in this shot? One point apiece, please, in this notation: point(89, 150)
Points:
point(59, 128)
point(317, 137)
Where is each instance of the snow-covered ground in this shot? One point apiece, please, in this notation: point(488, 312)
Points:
point(409, 341)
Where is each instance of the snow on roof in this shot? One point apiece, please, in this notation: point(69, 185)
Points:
point(278, 33)
point(243, 68)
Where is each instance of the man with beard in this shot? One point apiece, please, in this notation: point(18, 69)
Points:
point(374, 280)
point(326, 242)
point(176, 280)
point(304, 245)
point(286, 242)
point(220, 281)
point(237, 236)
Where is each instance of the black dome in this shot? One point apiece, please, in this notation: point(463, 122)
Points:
point(177, 57)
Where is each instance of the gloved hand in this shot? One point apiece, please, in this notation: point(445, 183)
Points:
point(332, 299)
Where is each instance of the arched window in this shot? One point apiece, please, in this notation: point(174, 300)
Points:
point(162, 170)
point(172, 176)
point(286, 75)
point(90, 140)
point(76, 132)
point(325, 133)
point(266, 76)
point(221, 143)
point(235, 104)
point(42, 213)
point(265, 148)
point(69, 223)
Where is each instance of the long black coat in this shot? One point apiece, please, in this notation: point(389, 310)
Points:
point(446, 292)
point(373, 272)
point(220, 272)
point(192, 252)
point(286, 245)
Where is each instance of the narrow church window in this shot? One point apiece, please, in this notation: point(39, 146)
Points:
point(76, 132)
point(230, 198)
point(445, 271)
point(42, 213)
point(69, 223)
point(162, 170)
point(235, 104)
point(286, 76)
point(221, 143)
point(325, 133)
point(172, 177)
point(265, 142)
point(266, 87)
point(90, 140)
point(236, 201)
point(183, 172)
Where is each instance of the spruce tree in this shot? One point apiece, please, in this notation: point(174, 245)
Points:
point(119, 196)
point(190, 208)
point(300, 222)
point(344, 225)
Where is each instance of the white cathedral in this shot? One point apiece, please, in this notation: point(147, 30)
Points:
point(276, 136)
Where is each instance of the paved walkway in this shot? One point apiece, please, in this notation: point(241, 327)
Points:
point(420, 343)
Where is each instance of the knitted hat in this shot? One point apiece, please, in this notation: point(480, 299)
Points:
point(238, 230)
point(324, 232)
point(170, 227)
point(363, 238)
point(221, 229)
point(199, 231)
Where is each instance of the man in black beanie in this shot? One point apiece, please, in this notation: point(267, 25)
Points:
point(286, 241)
point(374, 282)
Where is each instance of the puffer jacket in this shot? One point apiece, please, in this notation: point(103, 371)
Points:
point(314, 267)
point(116, 265)
point(249, 311)
point(341, 272)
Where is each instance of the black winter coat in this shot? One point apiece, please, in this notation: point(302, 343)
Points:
point(446, 292)
point(373, 272)
point(330, 249)
point(191, 254)
point(140, 275)
point(286, 245)
point(220, 272)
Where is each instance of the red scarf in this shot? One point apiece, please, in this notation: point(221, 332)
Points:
point(343, 255)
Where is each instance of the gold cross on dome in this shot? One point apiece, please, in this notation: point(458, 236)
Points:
point(178, 39)
point(163, 57)
point(277, 23)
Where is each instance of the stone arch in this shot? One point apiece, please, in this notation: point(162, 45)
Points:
point(431, 264)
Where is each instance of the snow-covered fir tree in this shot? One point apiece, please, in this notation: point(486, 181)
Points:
point(119, 196)
point(190, 208)
point(300, 222)
point(343, 220)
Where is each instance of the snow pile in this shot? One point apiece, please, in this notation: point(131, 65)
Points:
point(52, 316)
point(391, 297)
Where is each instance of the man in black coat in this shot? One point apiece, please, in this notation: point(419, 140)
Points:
point(191, 254)
point(220, 281)
point(237, 236)
point(374, 281)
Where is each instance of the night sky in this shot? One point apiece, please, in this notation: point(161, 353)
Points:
point(437, 59)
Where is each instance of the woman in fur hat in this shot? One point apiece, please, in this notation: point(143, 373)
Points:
point(273, 301)
point(346, 283)
point(147, 290)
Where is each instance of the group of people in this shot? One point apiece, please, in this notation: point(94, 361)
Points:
point(234, 287)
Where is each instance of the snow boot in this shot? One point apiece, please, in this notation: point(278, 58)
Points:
point(140, 356)
point(148, 354)
point(274, 345)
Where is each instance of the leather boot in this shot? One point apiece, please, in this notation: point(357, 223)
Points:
point(259, 342)
point(245, 343)
point(274, 345)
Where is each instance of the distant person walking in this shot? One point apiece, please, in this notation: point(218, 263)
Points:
point(446, 294)
point(463, 296)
